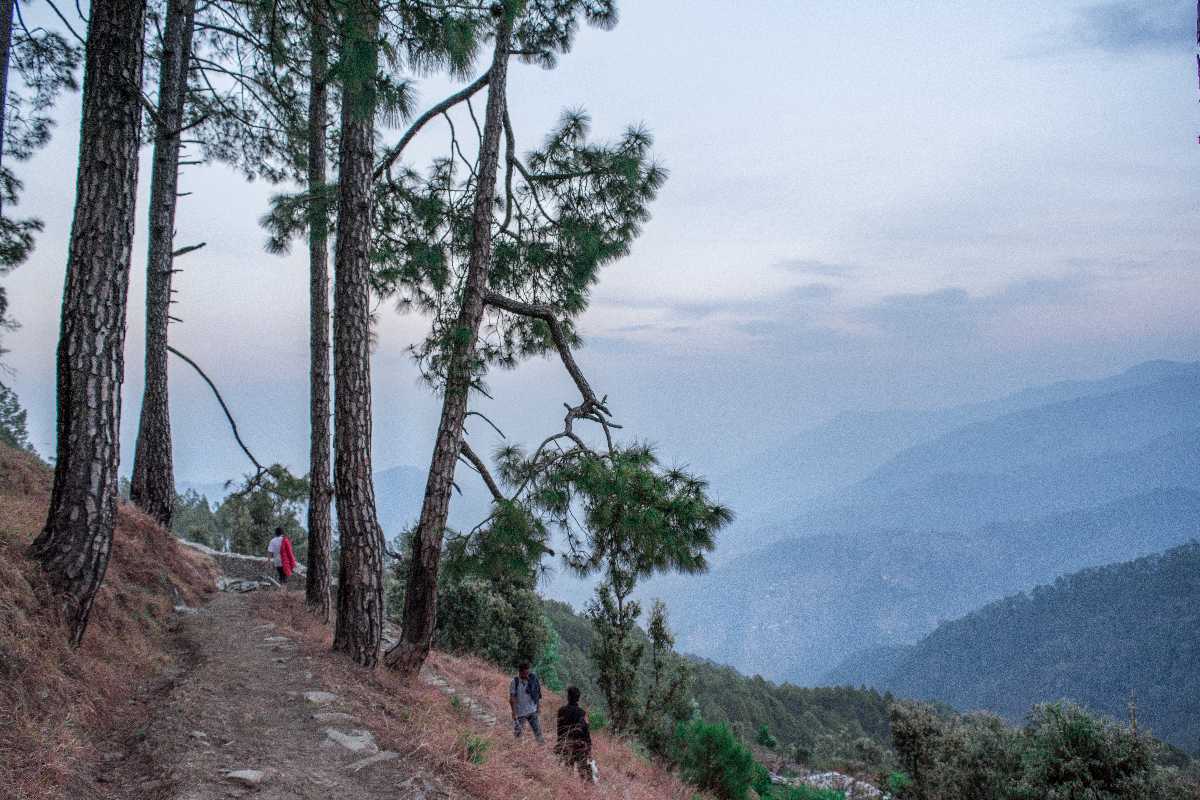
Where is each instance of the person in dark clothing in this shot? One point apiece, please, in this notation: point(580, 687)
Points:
point(574, 740)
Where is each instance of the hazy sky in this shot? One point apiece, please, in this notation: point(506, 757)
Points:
point(903, 203)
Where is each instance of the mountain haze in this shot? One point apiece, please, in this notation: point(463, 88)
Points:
point(963, 518)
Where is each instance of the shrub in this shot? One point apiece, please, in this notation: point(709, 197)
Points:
point(898, 783)
point(810, 793)
point(503, 623)
point(764, 738)
point(711, 758)
point(475, 748)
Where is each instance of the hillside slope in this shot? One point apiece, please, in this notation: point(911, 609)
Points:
point(57, 706)
point(1096, 637)
point(175, 695)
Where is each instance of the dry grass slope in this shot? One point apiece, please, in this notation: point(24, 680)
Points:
point(55, 704)
point(422, 723)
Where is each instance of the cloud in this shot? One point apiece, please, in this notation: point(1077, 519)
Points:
point(1127, 26)
point(811, 266)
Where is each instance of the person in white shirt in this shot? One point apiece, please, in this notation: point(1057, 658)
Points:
point(273, 552)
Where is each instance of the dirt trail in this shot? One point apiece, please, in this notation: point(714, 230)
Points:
point(244, 715)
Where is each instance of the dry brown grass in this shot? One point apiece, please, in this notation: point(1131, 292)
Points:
point(421, 723)
point(56, 703)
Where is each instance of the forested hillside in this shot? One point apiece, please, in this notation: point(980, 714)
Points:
point(1102, 637)
point(825, 722)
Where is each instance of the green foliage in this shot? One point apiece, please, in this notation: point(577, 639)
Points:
point(475, 748)
point(487, 600)
point(1063, 753)
point(13, 429)
point(548, 665)
point(899, 783)
point(711, 758)
point(195, 520)
point(43, 65)
point(499, 621)
point(564, 212)
point(616, 653)
point(807, 793)
point(764, 738)
point(598, 719)
point(823, 723)
point(637, 518)
point(761, 782)
point(668, 685)
point(248, 517)
point(1022, 649)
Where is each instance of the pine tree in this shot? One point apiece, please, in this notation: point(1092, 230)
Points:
point(420, 601)
point(360, 609)
point(45, 62)
point(318, 587)
point(74, 546)
point(502, 287)
point(13, 429)
point(667, 700)
point(616, 651)
point(153, 482)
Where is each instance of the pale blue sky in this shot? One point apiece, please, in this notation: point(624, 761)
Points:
point(870, 205)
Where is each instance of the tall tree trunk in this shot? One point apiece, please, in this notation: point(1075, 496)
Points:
point(359, 628)
point(6, 18)
point(420, 601)
point(153, 486)
point(75, 544)
point(320, 529)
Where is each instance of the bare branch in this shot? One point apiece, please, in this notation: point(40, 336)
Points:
point(488, 421)
point(225, 408)
point(189, 249)
point(475, 461)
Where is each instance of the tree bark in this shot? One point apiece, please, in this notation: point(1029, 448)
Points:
point(6, 18)
point(320, 529)
point(153, 485)
point(420, 601)
point(74, 546)
point(359, 627)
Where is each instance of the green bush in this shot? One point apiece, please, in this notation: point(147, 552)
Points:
point(711, 758)
point(475, 748)
point(764, 738)
point(500, 622)
point(809, 793)
point(1063, 753)
point(899, 783)
point(761, 782)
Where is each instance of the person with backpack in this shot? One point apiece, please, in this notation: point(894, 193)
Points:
point(573, 742)
point(524, 698)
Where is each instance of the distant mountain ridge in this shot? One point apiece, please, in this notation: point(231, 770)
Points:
point(950, 523)
point(772, 487)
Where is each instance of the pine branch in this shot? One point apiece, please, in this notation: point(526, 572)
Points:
point(392, 155)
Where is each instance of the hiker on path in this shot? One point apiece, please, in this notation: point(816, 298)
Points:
point(524, 697)
point(574, 740)
point(282, 556)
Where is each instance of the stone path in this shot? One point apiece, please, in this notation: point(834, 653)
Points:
point(246, 719)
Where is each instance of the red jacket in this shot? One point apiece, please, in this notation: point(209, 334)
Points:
point(287, 557)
